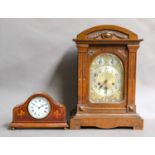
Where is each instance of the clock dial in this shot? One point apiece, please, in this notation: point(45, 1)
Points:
point(106, 79)
point(39, 107)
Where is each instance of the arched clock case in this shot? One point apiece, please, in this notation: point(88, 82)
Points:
point(39, 111)
point(107, 78)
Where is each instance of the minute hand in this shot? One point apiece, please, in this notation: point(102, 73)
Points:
point(105, 83)
point(43, 105)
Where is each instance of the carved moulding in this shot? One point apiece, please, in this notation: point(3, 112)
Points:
point(107, 34)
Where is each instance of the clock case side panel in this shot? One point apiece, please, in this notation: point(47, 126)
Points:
point(22, 118)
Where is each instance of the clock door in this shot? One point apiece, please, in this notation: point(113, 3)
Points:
point(107, 72)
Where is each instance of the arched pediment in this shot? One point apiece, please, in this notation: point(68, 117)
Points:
point(107, 32)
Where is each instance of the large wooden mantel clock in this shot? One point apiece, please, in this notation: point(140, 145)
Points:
point(106, 78)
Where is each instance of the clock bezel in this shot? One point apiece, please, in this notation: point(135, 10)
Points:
point(50, 108)
point(32, 119)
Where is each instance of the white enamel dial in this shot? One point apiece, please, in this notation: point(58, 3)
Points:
point(39, 107)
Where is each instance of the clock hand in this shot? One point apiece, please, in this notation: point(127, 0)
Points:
point(35, 105)
point(101, 85)
point(42, 105)
point(106, 90)
point(105, 82)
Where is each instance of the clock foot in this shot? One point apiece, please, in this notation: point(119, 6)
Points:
point(138, 127)
point(74, 124)
point(12, 128)
point(65, 128)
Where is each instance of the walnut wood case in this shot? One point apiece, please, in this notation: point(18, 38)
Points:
point(55, 119)
point(124, 44)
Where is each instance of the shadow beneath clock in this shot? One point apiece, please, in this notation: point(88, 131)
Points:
point(6, 126)
point(117, 128)
point(63, 83)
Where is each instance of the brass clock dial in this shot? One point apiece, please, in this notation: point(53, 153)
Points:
point(106, 79)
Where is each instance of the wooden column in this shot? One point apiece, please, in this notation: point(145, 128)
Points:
point(131, 107)
point(82, 62)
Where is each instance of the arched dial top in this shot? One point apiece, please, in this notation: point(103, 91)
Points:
point(106, 79)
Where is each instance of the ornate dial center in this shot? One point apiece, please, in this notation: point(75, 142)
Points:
point(106, 81)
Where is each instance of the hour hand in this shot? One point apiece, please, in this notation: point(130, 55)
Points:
point(100, 86)
point(43, 105)
point(103, 84)
point(106, 89)
point(35, 105)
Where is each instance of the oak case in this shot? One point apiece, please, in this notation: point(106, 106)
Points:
point(124, 44)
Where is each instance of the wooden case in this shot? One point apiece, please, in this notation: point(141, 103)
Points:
point(124, 44)
point(55, 119)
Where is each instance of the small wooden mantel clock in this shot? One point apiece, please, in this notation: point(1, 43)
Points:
point(39, 111)
point(107, 78)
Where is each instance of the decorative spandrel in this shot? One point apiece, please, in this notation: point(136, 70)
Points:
point(106, 79)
